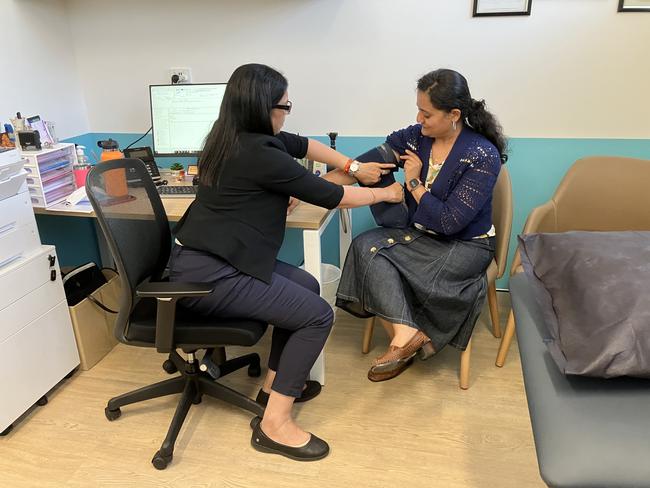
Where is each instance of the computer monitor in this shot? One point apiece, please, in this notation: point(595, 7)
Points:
point(182, 115)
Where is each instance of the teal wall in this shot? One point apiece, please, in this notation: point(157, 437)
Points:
point(536, 167)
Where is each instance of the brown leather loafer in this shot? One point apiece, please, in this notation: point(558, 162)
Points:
point(388, 370)
point(314, 450)
point(419, 342)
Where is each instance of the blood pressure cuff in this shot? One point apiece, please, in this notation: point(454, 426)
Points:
point(393, 215)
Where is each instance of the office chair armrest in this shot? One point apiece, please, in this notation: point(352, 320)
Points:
point(171, 289)
point(166, 294)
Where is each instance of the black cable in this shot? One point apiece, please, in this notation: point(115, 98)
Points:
point(139, 138)
point(100, 304)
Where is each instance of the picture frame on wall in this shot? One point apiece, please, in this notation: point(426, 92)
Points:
point(491, 8)
point(634, 5)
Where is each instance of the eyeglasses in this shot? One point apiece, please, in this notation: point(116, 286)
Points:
point(286, 107)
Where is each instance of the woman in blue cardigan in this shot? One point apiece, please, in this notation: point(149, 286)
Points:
point(425, 276)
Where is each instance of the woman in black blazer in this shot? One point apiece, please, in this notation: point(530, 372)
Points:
point(231, 234)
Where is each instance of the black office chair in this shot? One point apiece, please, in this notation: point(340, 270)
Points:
point(134, 223)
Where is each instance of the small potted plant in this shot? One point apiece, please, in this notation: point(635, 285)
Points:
point(178, 171)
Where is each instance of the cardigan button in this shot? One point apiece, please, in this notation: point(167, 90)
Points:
point(407, 238)
point(391, 240)
point(373, 249)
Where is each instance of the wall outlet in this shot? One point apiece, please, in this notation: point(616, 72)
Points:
point(184, 74)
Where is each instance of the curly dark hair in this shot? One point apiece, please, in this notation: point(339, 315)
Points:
point(447, 90)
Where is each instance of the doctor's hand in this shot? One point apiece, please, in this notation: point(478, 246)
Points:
point(293, 203)
point(412, 166)
point(370, 173)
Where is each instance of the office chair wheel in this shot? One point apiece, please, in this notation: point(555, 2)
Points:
point(41, 402)
point(112, 414)
point(169, 366)
point(254, 370)
point(160, 462)
point(7, 430)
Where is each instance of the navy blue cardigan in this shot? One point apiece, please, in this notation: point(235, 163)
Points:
point(459, 204)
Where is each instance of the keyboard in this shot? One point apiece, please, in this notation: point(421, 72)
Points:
point(177, 191)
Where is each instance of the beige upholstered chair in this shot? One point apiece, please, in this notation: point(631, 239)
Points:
point(600, 193)
point(502, 219)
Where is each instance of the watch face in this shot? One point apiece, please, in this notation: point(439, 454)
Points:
point(354, 167)
point(414, 183)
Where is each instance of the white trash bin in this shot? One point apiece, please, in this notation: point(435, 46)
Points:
point(330, 277)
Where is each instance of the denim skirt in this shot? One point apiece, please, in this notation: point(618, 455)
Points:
point(435, 284)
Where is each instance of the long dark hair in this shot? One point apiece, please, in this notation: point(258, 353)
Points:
point(251, 92)
point(447, 90)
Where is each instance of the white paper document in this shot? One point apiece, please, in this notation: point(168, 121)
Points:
point(75, 202)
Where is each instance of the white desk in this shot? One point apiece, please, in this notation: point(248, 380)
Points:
point(313, 260)
point(311, 219)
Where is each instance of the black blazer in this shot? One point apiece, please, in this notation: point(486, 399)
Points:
point(243, 218)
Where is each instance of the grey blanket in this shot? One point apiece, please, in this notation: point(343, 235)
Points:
point(594, 290)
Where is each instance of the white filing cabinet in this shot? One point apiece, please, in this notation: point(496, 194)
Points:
point(18, 231)
point(37, 345)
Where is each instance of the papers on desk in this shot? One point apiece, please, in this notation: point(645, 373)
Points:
point(76, 202)
point(66, 207)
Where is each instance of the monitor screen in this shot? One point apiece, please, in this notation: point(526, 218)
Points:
point(182, 115)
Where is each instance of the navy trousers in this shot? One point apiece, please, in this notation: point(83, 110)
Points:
point(301, 319)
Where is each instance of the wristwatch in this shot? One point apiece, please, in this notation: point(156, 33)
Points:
point(413, 184)
point(354, 167)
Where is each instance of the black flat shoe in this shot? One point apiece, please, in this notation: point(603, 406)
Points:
point(312, 390)
point(255, 421)
point(314, 450)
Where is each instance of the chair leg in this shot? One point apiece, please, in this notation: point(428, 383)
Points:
point(494, 309)
point(193, 384)
point(222, 392)
point(506, 340)
point(464, 366)
point(162, 388)
point(164, 456)
point(367, 335)
point(218, 355)
point(238, 363)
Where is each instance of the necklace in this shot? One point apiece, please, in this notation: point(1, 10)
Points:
point(438, 166)
point(434, 169)
point(435, 166)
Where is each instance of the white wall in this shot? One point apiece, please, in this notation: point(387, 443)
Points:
point(574, 68)
point(38, 73)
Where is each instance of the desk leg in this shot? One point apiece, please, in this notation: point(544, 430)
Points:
point(312, 251)
point(345, 234)
point(313, 259)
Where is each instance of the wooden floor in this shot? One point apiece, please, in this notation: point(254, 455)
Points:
point(417, 430)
